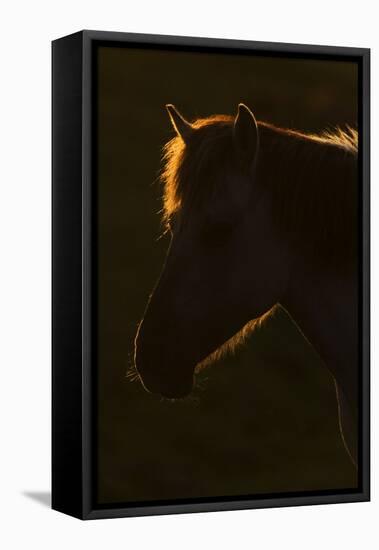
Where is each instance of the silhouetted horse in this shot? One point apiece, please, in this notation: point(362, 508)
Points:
point(258, 216)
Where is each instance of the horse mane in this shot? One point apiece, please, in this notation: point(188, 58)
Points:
point(311, 178)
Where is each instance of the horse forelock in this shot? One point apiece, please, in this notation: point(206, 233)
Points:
point(186, 166)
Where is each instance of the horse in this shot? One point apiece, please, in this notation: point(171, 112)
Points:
point(258, 216)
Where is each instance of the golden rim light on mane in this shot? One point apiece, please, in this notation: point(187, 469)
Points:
point(174, 152)
point(312, 180)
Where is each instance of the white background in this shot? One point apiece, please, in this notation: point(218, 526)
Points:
point(26, 31)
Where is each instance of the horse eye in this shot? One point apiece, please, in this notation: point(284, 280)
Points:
point(216, 233)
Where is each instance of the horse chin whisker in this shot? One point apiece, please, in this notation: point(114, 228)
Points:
point(132, 374)
point(191, 399)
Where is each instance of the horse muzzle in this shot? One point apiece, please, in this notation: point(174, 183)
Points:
point(167, 385)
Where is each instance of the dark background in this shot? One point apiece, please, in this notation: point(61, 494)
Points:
point(264, 420)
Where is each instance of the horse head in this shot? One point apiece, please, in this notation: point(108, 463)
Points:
point(221, 270)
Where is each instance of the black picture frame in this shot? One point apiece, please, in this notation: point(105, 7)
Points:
point(74, 277)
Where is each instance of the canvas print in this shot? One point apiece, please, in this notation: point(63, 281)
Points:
point(228, 275)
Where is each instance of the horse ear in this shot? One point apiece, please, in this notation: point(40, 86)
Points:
point(245, 135)
point(183, 128)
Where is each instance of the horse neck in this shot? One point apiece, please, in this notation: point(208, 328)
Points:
point(325, 308)
point(322, 300)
